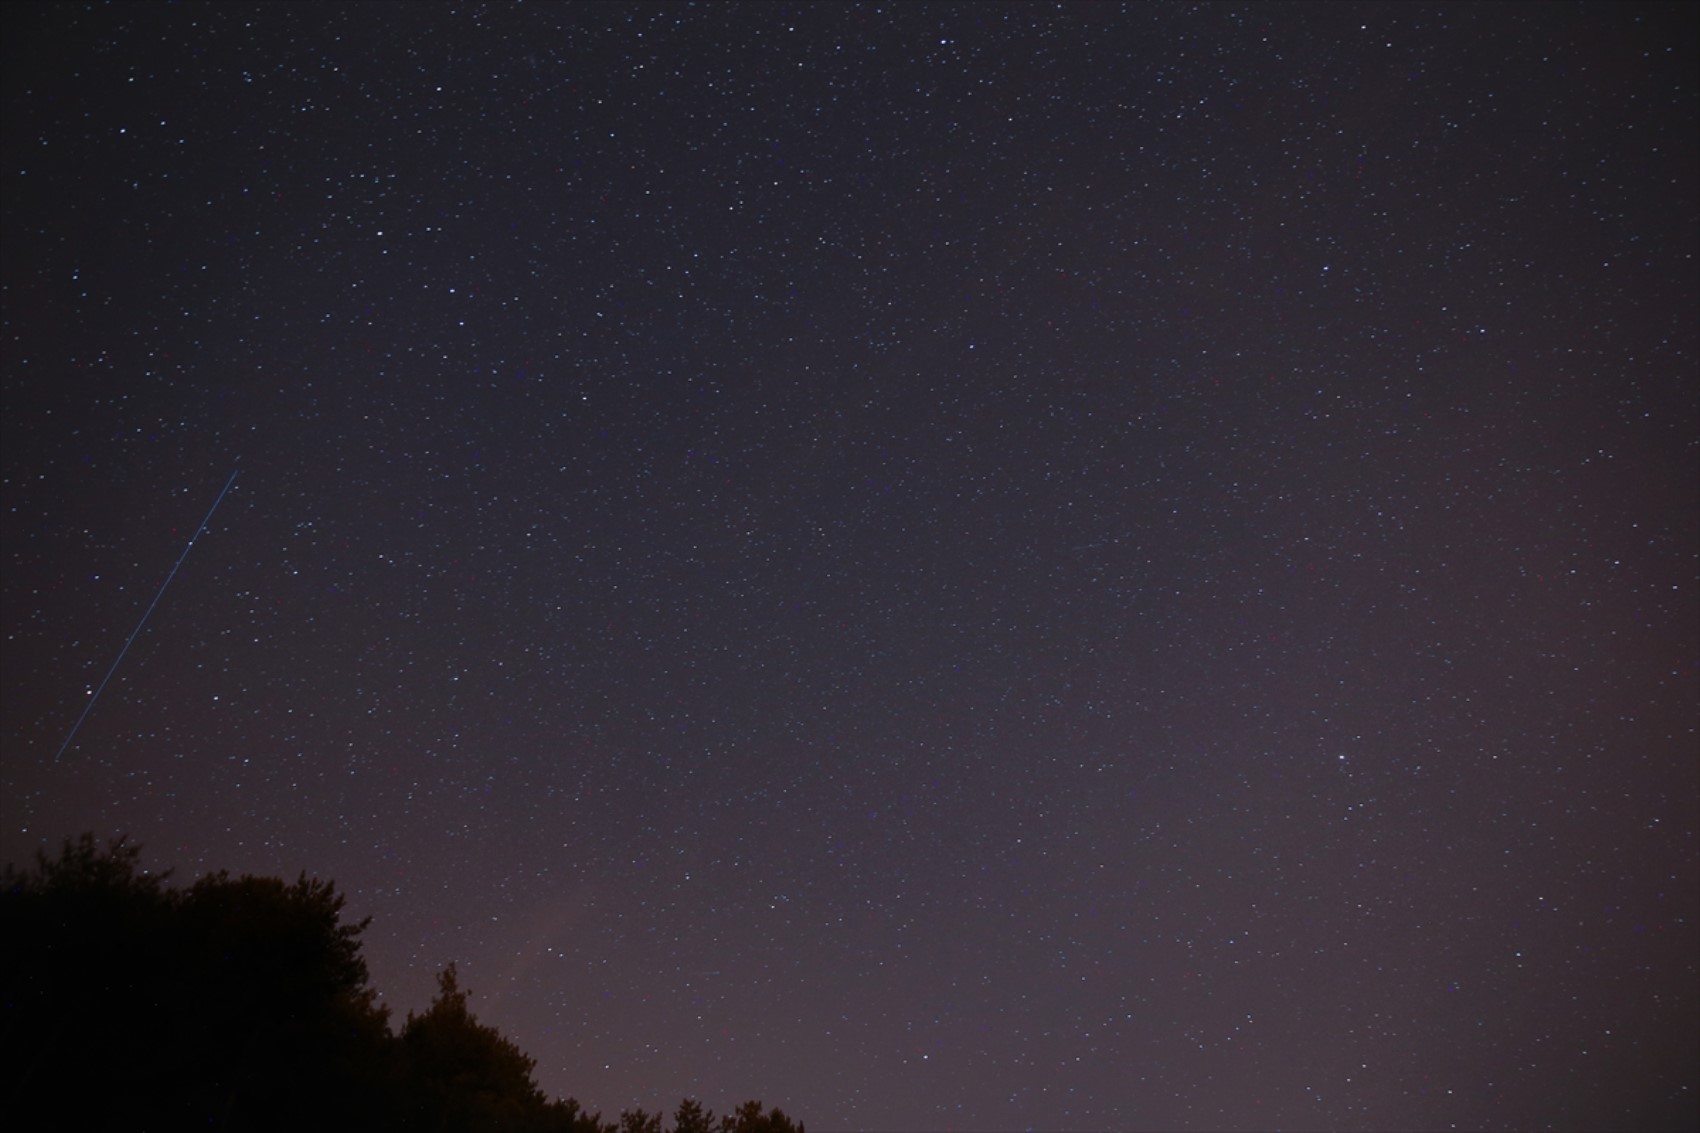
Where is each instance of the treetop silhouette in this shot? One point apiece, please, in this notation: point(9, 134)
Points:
point(245, 1004)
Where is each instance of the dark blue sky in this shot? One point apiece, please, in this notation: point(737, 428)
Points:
point(942, 566)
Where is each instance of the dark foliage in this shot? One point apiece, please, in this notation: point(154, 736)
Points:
point(244, 1004)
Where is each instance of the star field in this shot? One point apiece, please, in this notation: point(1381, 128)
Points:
point(993, 566)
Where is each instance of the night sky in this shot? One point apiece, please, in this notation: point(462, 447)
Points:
point(940, 566)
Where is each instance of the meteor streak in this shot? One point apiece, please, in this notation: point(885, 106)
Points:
point(160, 593)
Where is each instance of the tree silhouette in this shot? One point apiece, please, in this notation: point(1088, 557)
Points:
point(234, 1003)
point(67, 965)
point(274, 971)
point(465, 1075)
point(749, 1118)
point(637, 1121)
point(691, 1117)
point(244, 1004)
